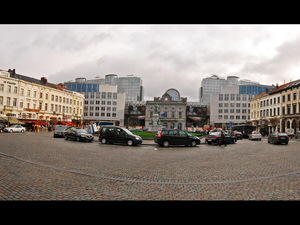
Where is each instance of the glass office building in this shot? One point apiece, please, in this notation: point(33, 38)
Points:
point(130, 85)
point(212, 85)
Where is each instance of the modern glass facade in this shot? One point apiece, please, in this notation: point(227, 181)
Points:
point(83, 87)
point(130, 85)
point(253, 89)
point(212, 85)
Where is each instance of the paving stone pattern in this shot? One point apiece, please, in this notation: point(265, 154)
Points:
point(36, 166)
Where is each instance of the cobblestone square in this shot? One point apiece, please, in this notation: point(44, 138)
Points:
point(36, 166)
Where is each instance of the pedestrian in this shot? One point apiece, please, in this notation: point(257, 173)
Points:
point(222, 139)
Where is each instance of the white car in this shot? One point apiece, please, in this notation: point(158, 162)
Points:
point(15, 128)
point(255, 135)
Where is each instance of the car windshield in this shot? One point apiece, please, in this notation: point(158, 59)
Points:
point(13, 126)
point(255, 132)
point(81, 131)
point(282, 134)
point(60, 128)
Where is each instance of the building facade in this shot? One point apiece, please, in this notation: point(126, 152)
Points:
point(213, 84)
point(277, 110)
point(130, 85)
point(105, 105)
point(171, 108)
point(32, 100)
point(229, 107)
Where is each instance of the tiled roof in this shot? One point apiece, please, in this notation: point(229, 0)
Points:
point(259, 96)
point(280, 88)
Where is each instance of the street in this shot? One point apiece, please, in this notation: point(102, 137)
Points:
point(36, 166)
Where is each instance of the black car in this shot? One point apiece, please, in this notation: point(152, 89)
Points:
point(238, 134)
point(214, 137)
point(115, 134)
point(278, 138)
point(59, 131)
point(175, 137)
point(78, 134)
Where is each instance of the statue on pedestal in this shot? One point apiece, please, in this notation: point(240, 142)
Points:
point(156, 108)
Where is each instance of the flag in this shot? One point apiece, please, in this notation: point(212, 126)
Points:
point(164, 114)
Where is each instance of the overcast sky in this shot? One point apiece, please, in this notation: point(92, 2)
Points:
point(164, 56)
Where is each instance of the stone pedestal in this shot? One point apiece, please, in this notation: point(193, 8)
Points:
point(155, 123)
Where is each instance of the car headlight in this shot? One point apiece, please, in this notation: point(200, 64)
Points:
point(137, 138)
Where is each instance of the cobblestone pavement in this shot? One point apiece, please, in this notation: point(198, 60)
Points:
point(36, 166)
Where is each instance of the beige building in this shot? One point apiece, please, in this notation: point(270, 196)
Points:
point(37, 101)
point(277, 110)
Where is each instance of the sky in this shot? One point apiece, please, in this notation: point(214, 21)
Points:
point(164, 55)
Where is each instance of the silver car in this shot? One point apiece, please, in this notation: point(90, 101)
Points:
point(15, 128)
point(255, 135)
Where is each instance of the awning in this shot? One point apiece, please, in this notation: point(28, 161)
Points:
point(65, 123)
point(11, 120)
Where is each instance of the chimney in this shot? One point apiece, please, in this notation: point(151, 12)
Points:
point(44, 80)
point(12, 72)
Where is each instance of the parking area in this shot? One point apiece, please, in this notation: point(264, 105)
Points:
point(36, 166)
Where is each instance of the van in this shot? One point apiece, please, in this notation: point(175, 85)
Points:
point(114, 134)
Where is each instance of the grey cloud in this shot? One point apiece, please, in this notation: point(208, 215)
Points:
point(287, 57)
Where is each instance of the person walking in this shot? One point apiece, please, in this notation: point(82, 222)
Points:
point(222, 139)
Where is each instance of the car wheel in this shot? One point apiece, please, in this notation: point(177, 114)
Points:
point(78, 139)
point(10, 131)
point(193, 143)
point(103, 141)
point(166, 144)
point(22, 131)
point(66, 137)
point(129, 142)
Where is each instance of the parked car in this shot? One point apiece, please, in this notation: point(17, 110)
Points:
point(255, 135)
point(175, 137)
point(238, 134)
point(59, 131)
point(78, 134)
point(278, 138)
point(115, 134)
point(214, 137)
point(15, 128)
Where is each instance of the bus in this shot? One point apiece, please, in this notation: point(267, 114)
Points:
point(246, 129)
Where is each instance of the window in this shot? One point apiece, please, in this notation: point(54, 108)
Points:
point(103, 95)
point(232, 97)
point(226, 97)
point(8, 101)
point(220, 97)
point(173, 114)
point(1, 87)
